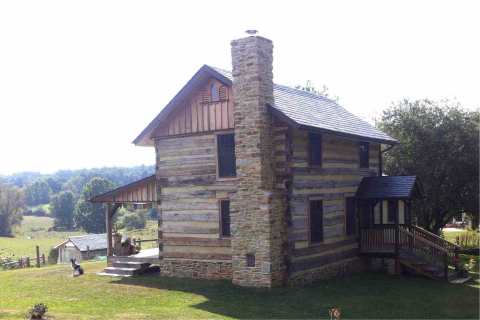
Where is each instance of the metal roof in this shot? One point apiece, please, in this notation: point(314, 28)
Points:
point(389, 187)
point(92, 241)
point(298, 107)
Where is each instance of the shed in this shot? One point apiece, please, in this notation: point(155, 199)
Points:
point(82, 247)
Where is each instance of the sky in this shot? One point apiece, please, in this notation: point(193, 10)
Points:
point(79, 80)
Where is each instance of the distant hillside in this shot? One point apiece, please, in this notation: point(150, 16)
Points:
point(74, 180)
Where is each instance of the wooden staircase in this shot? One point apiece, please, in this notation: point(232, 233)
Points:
point(125, 267)
point(416, 249)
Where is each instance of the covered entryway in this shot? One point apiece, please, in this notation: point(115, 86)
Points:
point(142, 193)
point(387, 229)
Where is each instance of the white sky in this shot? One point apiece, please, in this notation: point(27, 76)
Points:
point(79, 80)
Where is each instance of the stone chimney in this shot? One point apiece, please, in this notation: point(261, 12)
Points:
point(258, 210)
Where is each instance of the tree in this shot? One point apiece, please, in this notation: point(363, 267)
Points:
point(11, 206)
point(37, 193)
point(91, 216)
point(62, 206)
point(324, 92)
point(439, 143)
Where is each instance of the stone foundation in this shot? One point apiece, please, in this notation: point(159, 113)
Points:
point(196, 269)
point(332, 270)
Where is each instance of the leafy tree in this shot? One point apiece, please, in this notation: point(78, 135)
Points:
point(91, 216)
point(11, 206)
point(131, 220)
point(439, 143)
point(62, 207)
point(324, 92)
point(54, 184)
point(37, 193)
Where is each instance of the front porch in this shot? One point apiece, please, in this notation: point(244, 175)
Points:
point(122, 258)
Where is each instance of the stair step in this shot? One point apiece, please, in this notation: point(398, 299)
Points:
point(124, 271)
point(136, 265)
point(113, 274)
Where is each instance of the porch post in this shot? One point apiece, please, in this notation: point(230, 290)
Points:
point(397, 231)
point(108, 221)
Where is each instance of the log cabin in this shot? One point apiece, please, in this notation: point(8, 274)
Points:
point(267, 185)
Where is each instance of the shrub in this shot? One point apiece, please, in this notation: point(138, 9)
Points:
point(468, 240)
point(53, 256)
point(132, 220)
point(37, 312)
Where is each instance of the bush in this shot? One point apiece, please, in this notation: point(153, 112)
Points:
point(132, 220)
point(53, 256)
point(468, 240)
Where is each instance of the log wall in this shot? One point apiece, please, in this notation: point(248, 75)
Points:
point(337, 179)
point(190, 194)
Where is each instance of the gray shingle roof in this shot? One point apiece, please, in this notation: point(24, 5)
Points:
point(300, 108)
point(315, 111)
point(93, 241)
point(388, 187)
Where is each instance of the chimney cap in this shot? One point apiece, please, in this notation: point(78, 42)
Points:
point(252, 32)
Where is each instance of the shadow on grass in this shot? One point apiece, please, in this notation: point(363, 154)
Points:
point(366, 295)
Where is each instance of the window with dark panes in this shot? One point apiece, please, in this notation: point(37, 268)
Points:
point(392, 210)
point(225, 218)
point(316, 221)
point(351, 222)
point(250, 260)
point(214, 94)
point(315, 149)
point(226, 155)
point(364, 154)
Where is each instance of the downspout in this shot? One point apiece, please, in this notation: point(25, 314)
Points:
point(380, 161)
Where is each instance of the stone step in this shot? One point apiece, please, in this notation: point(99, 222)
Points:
point(124, 271)
point(136, 264)
point(113, 274)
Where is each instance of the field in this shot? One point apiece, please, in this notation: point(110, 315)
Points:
point(364, 295)
point(34, 231)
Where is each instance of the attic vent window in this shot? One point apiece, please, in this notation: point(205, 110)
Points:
point(214, 93)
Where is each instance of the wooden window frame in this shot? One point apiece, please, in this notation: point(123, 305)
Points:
point(309, 150)
point(216, 134)
point(309, 229)
point(220, 219)
point(360, 163)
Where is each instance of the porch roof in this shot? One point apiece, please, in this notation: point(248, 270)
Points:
point(389, 187)
point(140, 191)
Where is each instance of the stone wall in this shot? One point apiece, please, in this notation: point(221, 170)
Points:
point(258, 207)
point(196, 269)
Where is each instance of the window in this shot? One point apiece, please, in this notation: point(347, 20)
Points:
point(225, 218)
point(350, 221)
point(392, 211)
point(226, 155)
point(250, 260)
point(316, 221)
point(315, 149)
point(214, 92)
point(364, 154)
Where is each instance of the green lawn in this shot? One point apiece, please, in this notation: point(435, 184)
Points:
point(34, 231)
point(364, 295)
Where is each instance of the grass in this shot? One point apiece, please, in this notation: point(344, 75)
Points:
point(45, 207)
point(366, 295)
point(34, 231)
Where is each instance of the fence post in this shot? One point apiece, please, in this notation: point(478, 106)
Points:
point(88, 252)
point(27, 262)
point(446, 266)
point(43, 258)
point(37, 248)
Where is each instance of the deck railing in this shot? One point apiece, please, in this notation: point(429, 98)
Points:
point(403, 239)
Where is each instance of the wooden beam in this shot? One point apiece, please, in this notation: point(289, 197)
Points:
point(108, 222)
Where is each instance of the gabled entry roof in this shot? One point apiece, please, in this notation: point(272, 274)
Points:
point(137, 192)
point(299, 108)
point(389, 187)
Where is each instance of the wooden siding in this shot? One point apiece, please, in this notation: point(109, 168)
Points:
point(141, 191)
point(336, 179)
point(186, 173)
point(199, 115)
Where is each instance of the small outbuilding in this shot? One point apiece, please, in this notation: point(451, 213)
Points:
point(82, 247)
